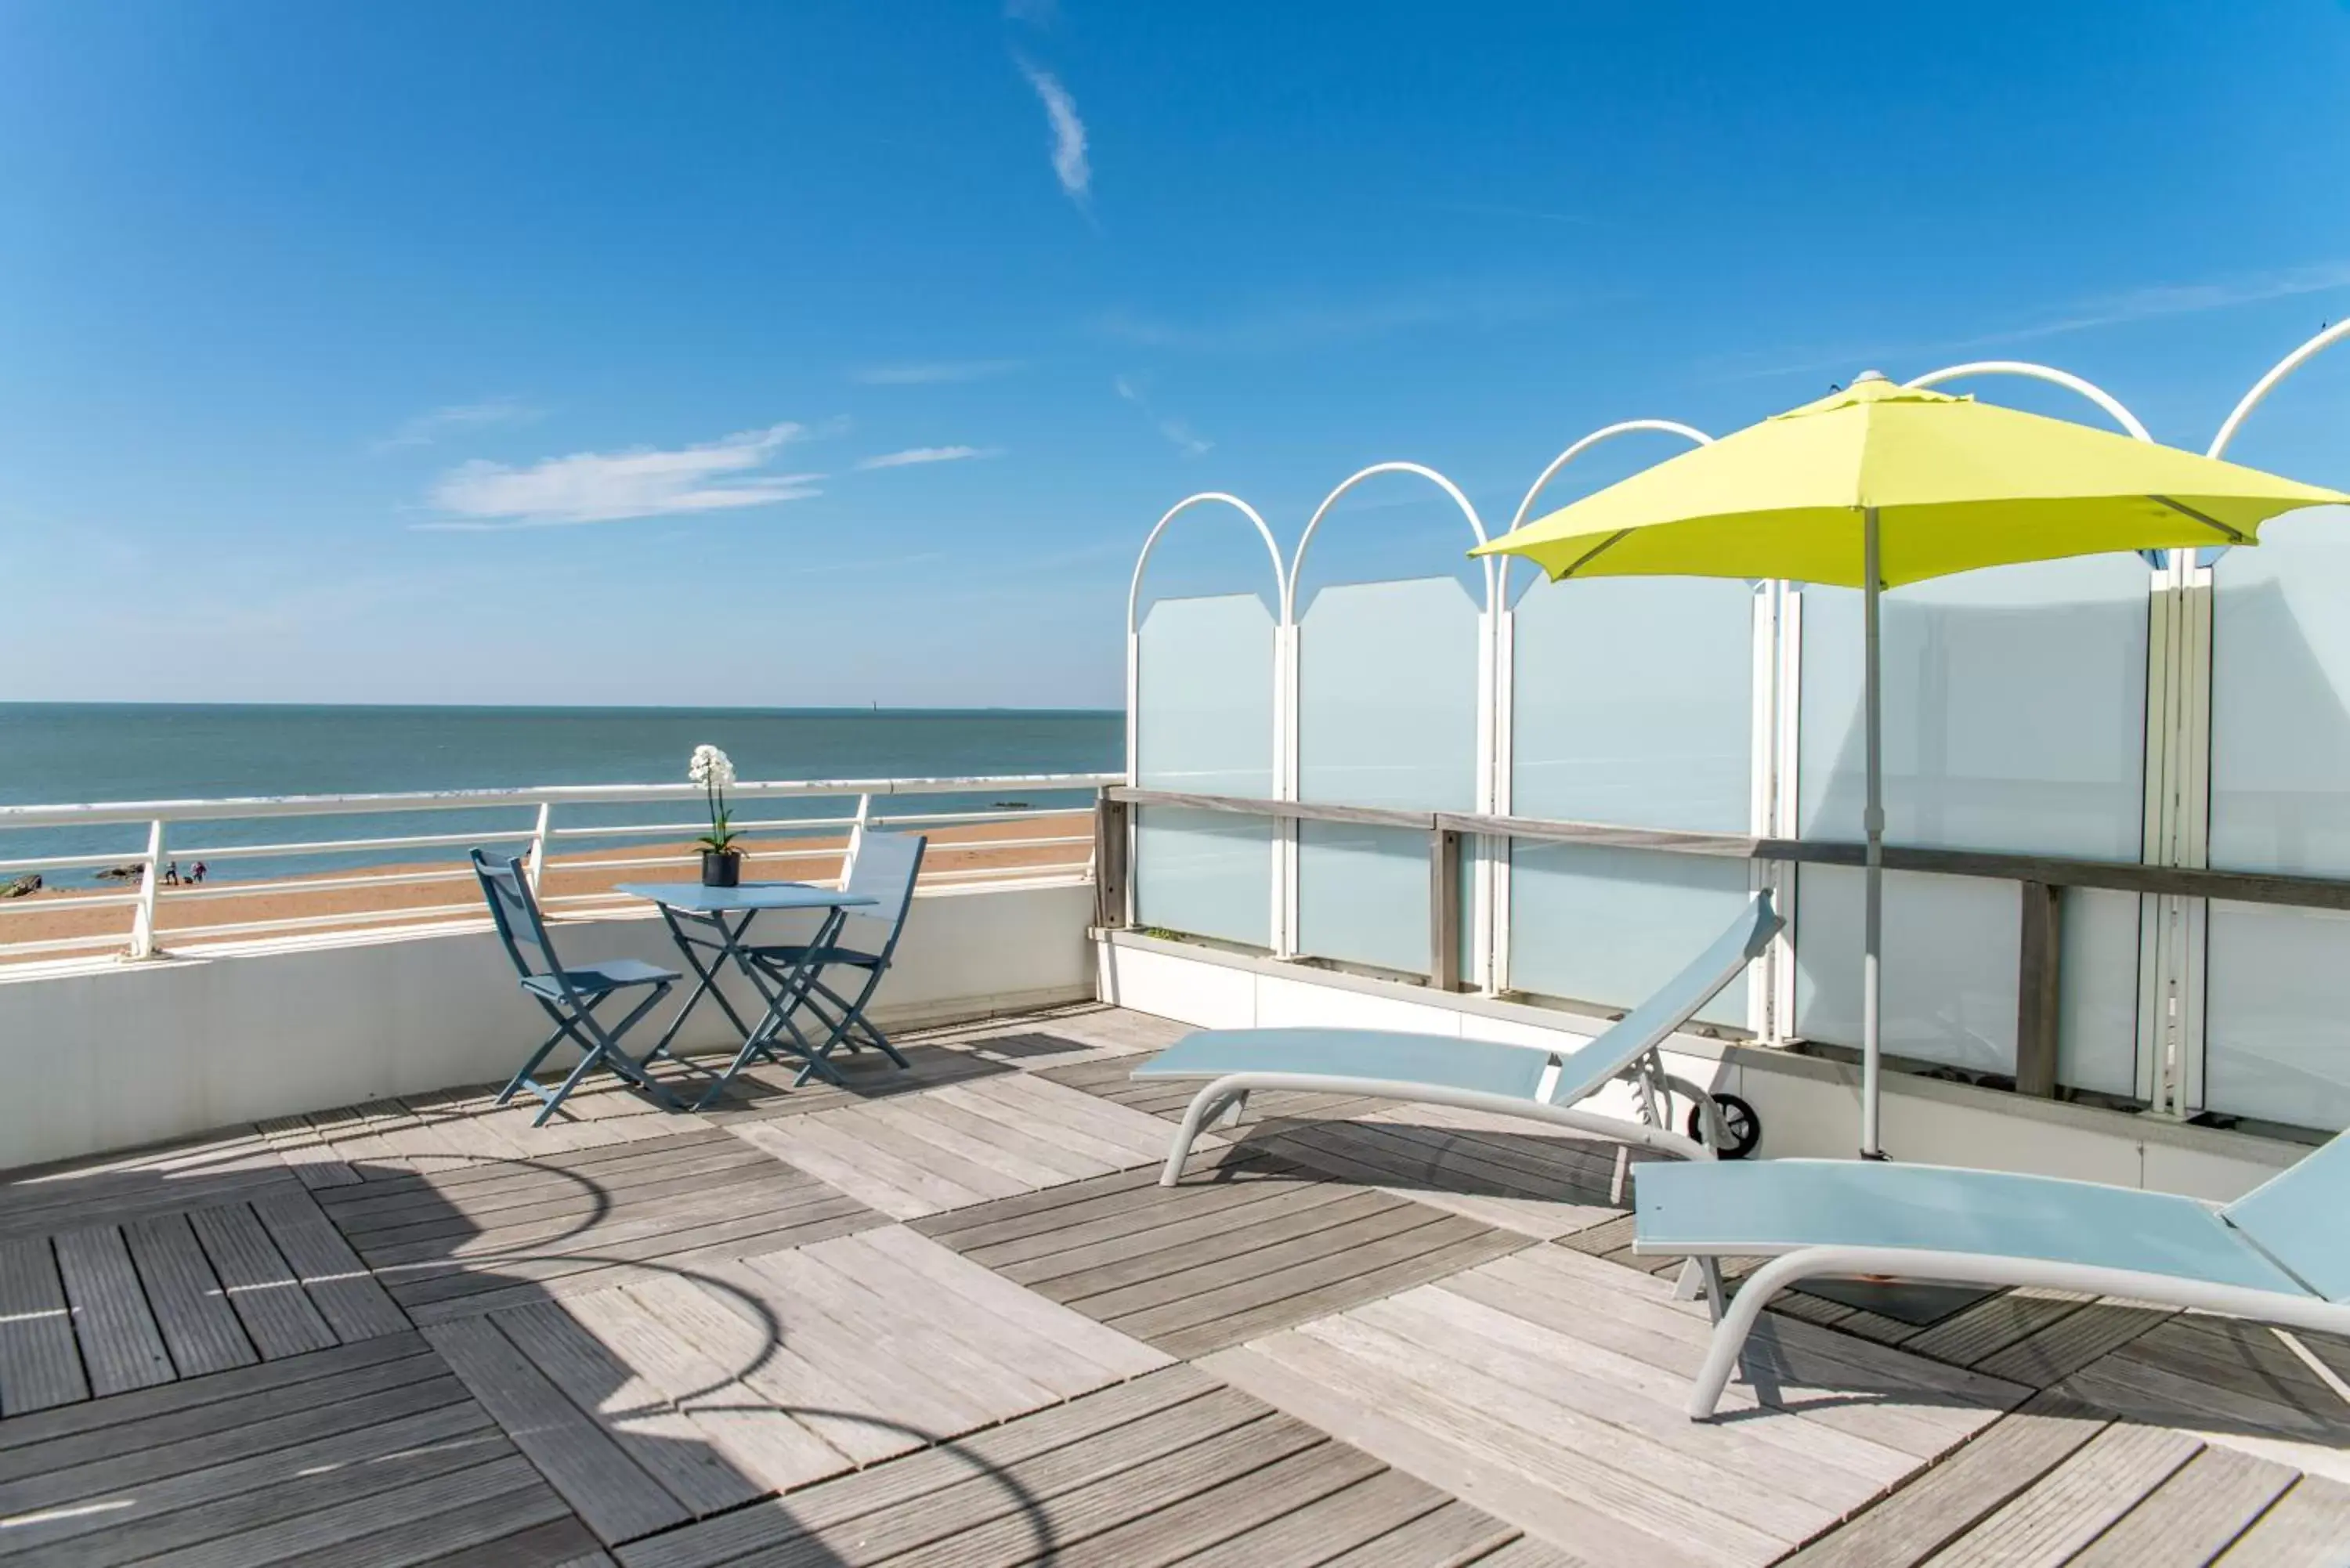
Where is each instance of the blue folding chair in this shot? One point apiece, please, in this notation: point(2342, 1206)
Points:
point(570, 996)
point(860, 941)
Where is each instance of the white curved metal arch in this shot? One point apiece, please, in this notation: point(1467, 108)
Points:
point(1134, 587)
point(2268, 383)
point(2048, 373)
point(1297, 562)
point(1608, 432)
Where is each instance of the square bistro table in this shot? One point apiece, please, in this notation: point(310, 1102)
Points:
point(713, 921)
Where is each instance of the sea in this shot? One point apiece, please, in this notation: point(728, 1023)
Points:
point(64, 754)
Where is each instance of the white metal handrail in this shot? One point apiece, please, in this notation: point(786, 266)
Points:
point(159, 815)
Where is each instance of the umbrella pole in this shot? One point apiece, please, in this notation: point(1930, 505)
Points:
point(1872, 919)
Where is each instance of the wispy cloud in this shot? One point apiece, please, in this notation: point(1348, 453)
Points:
point(1292, 325)
point(1035, 13)
point(609, 487)
point(1069, 165)
point(1178, 434)
point(935, 372)
point(2149, 303)
point(921, 454)
point(427, 428)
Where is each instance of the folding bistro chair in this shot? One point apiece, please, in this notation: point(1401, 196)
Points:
point(859, 940)
point(570, 996)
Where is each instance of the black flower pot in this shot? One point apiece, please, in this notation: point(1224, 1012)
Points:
point(722, 867)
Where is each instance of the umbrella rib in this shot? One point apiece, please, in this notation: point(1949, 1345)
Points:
point(1588, 556)
point(2232, 535)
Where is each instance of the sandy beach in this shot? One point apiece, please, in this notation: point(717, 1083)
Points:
point(52, 915)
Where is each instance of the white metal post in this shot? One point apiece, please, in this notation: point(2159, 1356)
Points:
point(1787, 756)
point(855, 837)
point(151, 875)
point(1284, 784)
point(536, 870)
point(1872, 821)
point(1494, 881)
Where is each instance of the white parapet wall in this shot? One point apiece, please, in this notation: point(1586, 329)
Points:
point(1809, 1107)
point(110, 1056)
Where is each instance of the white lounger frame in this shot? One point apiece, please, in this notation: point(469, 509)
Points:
point(1733, 1326)
point(1228, 1097)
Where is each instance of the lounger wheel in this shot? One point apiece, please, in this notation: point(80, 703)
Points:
point(1740, 1125)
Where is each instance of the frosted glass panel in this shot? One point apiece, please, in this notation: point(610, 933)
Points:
point(1610, 926)
point(1950, 965)
point(1204, 714)
point(1203, 724)
point(1634, 703)
point(2015, 719)
point(1386, 716)
point(2096, 1038)
point(2276, 1044)
point(1362, 895)
point(1204, 873)
point(2277, 997)
point(1387, 706)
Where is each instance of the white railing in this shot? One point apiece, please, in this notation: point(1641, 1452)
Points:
point(1064, 854)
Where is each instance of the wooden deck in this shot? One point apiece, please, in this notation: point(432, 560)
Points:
point(948, 1317)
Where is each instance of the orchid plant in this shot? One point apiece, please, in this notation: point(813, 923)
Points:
point(714, 771)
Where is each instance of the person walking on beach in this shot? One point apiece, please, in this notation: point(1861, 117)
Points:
point(171, 874)
point(196, 872)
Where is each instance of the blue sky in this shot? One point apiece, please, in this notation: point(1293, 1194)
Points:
point(844, 352)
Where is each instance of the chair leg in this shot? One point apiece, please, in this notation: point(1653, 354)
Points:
point(1204, 1105)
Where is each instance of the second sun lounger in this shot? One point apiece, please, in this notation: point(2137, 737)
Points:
point(1525, 1081)
point(2276, 1255)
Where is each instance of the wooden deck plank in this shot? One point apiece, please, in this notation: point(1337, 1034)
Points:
point(1027, 1160)
point(602, 1484)
point(417, 1522)
point(954, 1279)
point(1503, 1475)
point(664, 1443)
point(1680, 1491)
point(1455, 1533)
point(44, 1441)
point(1212, 1517)
point(562, 1543)
point(1971, 1485)
point(267, 1296)
point(2192, 1517)
point(1114, 1135)
point(1152, 1271)
point(728, 1319)
point(1202, 1236)
point(737, 1422)
point(855, 1160)
point(1352, 1516)
point(2307, 1528)
point(1059, 1350)
point(938, 1484)
point(2050, 1355)
point(216, 1434)
point(1788, 1367)
point(1059, 1525)
point(695, 1251)
point(354, 1305)
point(2071, 1505)
point(39, 1364)
point(1801, 1470)
point(206, 1503)
point(121, 1346)
point(1992, 1324)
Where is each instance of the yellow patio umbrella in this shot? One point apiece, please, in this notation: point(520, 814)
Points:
point(1879, 485)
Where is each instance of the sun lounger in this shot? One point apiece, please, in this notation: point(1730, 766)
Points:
point(1527, 1081)
point(2277, 1255)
